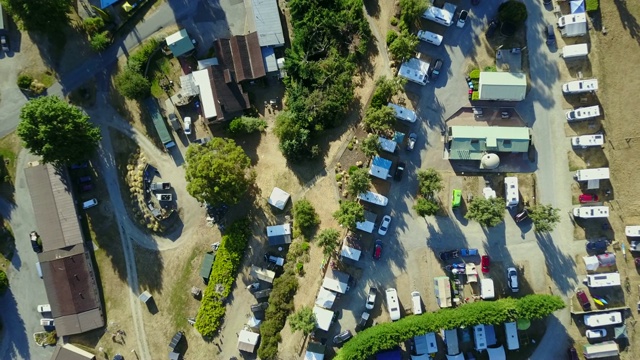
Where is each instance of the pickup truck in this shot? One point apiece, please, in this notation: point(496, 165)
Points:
point(160, 186)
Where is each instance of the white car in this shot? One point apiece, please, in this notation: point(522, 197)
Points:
point(462, 18)
point(43, 309)
point(46, 322)
point(89, 204)
point(187, 125)
point(371, 298)
point(384, 226)
point(512, 279)
point(596, 333)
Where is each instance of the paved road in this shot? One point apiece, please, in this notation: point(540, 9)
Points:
point(19, 315)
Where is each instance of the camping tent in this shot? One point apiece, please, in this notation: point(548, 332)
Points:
point(336, 281)
point(577, 6)
point(247, 341)
point(323, 318)
point(278, 198)
point(591, 262)
point(325, 298)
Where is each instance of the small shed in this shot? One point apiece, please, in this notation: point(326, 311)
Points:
point(279, 234)
point(326, 298)
point(205, 268)
point(324, 318)
point(380, 168)
point(337, 281)
point(179, 43)
point(505, 86)
point(278, 198)
point(248, 341)
point(263, 274)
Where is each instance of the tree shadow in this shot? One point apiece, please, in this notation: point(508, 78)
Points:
point(560, 267)
point(16, 336)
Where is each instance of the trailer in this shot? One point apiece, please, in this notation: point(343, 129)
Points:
point(583, 113)
point(580, 86)
point(592, 174)
point(603, 280)
point(575, 51)
point(585, 141)
point(596, 320)
point(160, 186)
point(591, 212)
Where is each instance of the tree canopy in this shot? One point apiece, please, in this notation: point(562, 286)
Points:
point(513, 12)
point(303, 320)
point(305, 217)
point(411, 11)
point(370, 146)
point(544, 217)
point(217, 172)
point(429, 182)
point(349, 214)
point(379, 120)
point(132, 84)
point(385, 89)
point(328, 239)
point(359, 182)
point(426, 207)
point(404, 46)
point(59, 132)
point(487, 212)
point(39, 15)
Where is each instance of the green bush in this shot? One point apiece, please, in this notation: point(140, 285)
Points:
point(592, 5)
point(223, 274)
point(304, 215)
point(513, 12)
point(24, 81)
point(475, 95)
point(394, 21)
point(93, 25)
point(4, 282)
point(138, 59)
point(391, 36)
point(280, 306)
point(100, 41)
point(426, 207)
point(492, 68)
point(474, 74)
point(246, 125)
point(132, 84)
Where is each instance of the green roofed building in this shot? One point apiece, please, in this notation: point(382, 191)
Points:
point(179, 43)
point(472, 142)
point(205, 268)
point(504, 86)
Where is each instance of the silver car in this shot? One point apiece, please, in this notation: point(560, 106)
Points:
point(411, 143)
point(512, 279)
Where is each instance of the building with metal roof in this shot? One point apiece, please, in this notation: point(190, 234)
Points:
point(71, 352)
point(179, 43)
point(472, 142)
point(504, 86)
point(242, 55)
point(266, 17)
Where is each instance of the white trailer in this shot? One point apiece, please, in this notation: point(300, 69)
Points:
point(575, 51)
point(603, 280)
point(442, 16)
point(415, 70)
point(632, 231)
point(591, 212)
point(573, 25)
point(580, 86)
point(595, 320)
point(374, 198)
point(511, 191)
point(487, 291)
point(511, 332)
point(479, 337)
point(403, 113)
point(429, 37)
point(592, 174)
point(587, 140)
point(583, 113)
point(601, 350)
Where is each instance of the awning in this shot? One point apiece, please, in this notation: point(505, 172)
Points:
point(577, 6)
point(387, 145)
point(351, 253)
point(247, 341)
point(323, 318)
point(325, 298)
point(278, 198)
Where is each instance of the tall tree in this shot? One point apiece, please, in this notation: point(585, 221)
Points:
point(404, 46)
point(385, 89)
point(429, 182)
point(412, 10)
point(303, 320)
point(359, 182)
point(544, 217)
point(349, 214)
point(328, 239)
point(370, 146)
point(305, 217)
point(379, 120)
point(59, 132)
point(218, 172)
point(488, 212)
point(39, 15)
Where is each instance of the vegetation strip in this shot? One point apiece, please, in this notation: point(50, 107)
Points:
point(388, 335)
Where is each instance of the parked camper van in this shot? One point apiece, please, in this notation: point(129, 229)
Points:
point(591, 212)
point(596, 320)
point(603, 280)
point(442, 16)
point(392, 304)
point(583, 113)
point(575, 51)
point(429, 37)
point(592, 174)
point(479, 338)
point(587, 140)
point(511, 332)
point(601, 350)
point(374, 198)
point(580, 86)
point(573, 25)
point(632, 231)
point(416, 302)
point(402, 113)
point(487, 291)
point(511, 191)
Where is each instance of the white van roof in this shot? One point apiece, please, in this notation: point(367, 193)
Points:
point(486, 289)
point(576, 50)
point(511, 332)
point(479, 337)
point(374, 198)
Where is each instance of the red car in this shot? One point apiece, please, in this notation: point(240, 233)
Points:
point(377, 250)
point(587, 198)
point(485, 262)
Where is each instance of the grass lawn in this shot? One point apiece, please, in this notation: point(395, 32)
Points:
point(179, 297)
point(7, 245)
point(163, 69)
point(10, 146)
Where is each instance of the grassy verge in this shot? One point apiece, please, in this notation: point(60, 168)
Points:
point(179, 297)
point(9, 148)
point(7, 245)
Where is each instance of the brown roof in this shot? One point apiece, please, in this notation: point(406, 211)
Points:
point(53, 207)
point(230, 99)
point(72, 290)
point(71, 352)
point(242, 54)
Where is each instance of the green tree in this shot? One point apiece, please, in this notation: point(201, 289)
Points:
point(349, 214)
point(39, 15)
point(404, 46)
point(25, 81)
point(544, 217)
point(412, 10)
point(379, 120)
point(246, 125)
point(305, 217)
point(100, 41)
point(538, 306)
point(429, 182)
point(426, 207)
point(303, 320)
point(359, 182)
point(370, 146)
point(487, 212)
point(4, 282)
point(59, 132)
point(218, 172)
point(93, 25)
point(132, 84)
point(513, 12)
point(328, 239)
point(385, 89)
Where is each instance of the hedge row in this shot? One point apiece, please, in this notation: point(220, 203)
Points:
point(223, 274)
point(388, 335)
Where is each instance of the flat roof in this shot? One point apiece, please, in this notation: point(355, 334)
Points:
point(71, 352)
point(472, 142)
point(53, 206)
point(203, 81)
point(267, 21)
point(502, 86)
point(179, 43)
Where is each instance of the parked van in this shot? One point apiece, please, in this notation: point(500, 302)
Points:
point(487, 291)
point(587, 140)
point(575, 51)
point(429, 37)
point(511, 332)
point(89, 204)
point(417, 303)
point(606, 319)
point(592, 174)
point(39, 269)
point(442, 16)
point(392, 304)
point(511, 191)
point(479, 338)
point(374, 198)
point(591, 212)
point(580, 86)
point(601, 350)
point(402, 113)
point(603, 280)
point(583, 113)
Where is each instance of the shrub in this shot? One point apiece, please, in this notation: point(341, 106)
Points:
point(24, 81)
point(394, 21)
point(492, 68)
point(392, 35)
point(474, 74)
point(426, 207)
point(138, 59)
point(404, 46)
point(132, 85)
point(246, 125)
point(93, 25)
point(228, 258)
point(4, 282)
point(280, 306)
point(385, 89)
point(592, 5)
point(475, 95)
point(513, 12)
point(100, 41)
point(487, 212)
point(304, 215)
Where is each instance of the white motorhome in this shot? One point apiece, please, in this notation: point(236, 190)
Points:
point(487, 291)
point(429, 37)
point(442, 16)
point(601, 350)
point(580, 86)
point(392, 304)
point(588, 140)
point(416, 303)
point(369, 222)
point(595, 320)
point(591, 212)
point(575, 51)
point(592, 174)
point(603, 280)
point(415, 70)
point(511, 332)
point(374, 198)
point(583, 113)
point(402, 113)
point(632, 231)
point(479, 338)
point(511, 191)
point(573, 25)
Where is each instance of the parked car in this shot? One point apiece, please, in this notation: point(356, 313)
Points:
point(173, 120)
point(36, 242)
point(187, 125)
point(82, 165)
point(364, 319)
point(371, 298)
point(434, 71)
point(521, 216)
point(86, 187)
point(411, 143)
point(512, 279)
point(4, 40)
point(202, 141)
point(43, 309)
point(551, 35)
point(84, 179)
point(377, 249)
point(469, 252)
point(384, 226)
point(47, 322)
point(89, 203)
point(342, 337)
point(493, 26)
point(583, 300)
point(397, 176)
point(485, 262)
point(598, 246)
point(462, 18)
point(573, 353)
point(596, 333)
point(448, 255)
point(587, 198)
